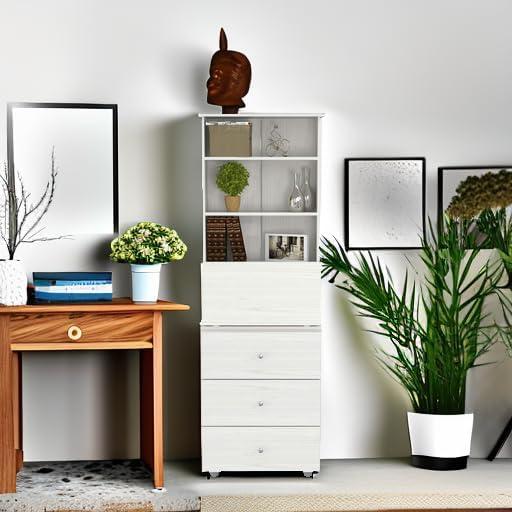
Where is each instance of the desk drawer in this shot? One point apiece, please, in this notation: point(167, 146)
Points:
point(260, 402)
point(260, 448)
point(81, 327)
point(260, 353)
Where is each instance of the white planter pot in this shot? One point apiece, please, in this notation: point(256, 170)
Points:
point(440, 441)
point(145, 282)
point(13, 283)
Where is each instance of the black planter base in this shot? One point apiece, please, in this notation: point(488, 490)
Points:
point(439, 463)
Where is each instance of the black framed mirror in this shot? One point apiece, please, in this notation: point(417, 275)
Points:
point(84, 140)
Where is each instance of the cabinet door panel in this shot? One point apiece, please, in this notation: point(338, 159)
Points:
point(258, 293)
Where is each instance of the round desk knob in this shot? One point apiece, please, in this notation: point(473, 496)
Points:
point(260, 403)
point(74, 333)
point(260, 356)
point(260, 450)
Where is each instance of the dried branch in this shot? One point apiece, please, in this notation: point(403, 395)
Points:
point(21, 217)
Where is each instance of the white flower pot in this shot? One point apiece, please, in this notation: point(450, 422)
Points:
point(13, 283)
point(440, 441)
point(145, 282)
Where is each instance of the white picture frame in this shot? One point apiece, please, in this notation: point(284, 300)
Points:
point(384, 203)
point(283, 247)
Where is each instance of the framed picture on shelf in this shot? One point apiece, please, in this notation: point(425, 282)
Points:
point(286, 247)
point(384, 203)
point(449, 178)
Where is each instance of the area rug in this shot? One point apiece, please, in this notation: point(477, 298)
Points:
point(106, 486)
point(366, 502)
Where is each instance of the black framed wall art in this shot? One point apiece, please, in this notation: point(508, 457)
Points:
point(83, 139)
point(384, 203)
point(449, 178)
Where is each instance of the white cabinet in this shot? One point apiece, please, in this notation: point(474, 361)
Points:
point(260, 325)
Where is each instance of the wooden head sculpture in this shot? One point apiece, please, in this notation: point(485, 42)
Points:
point(230, 77)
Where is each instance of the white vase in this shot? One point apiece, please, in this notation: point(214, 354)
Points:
point(440, 441)
point(13, 283)
point(145, 282)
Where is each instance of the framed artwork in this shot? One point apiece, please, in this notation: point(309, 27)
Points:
point(83, 139)
point(449, 178)
point(286, 247)
point(384, 203)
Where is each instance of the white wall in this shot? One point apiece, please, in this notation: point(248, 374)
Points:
point(396, 78)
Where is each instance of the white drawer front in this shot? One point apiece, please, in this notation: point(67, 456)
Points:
point(260, 353)
point(260, 449)
point(258, 293)
point(260, 402)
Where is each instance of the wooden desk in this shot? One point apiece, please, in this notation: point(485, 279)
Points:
point(120, 324)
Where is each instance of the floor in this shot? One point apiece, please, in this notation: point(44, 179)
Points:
point(371, 484)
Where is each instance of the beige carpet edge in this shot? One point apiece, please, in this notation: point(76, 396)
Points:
point(342, 502)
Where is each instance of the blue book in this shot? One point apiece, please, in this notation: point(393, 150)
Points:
point(43, 297)
point(72, 276)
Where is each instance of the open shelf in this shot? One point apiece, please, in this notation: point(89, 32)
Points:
point(264, 203)
point(261, 214)
point(260, 158)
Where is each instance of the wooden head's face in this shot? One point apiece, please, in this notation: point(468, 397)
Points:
point(230, 77)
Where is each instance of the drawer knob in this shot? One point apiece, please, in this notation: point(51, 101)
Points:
point(260, 450)
point(260, 403)
point(260, 356)
point(74, 333)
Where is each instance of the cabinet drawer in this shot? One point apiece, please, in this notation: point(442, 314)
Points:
point(260, 353)
point(260, 449)
point(260, 293)
point(81, 327)
point(260, 402)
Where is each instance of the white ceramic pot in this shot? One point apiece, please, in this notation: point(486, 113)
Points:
point(440, 441)
point(13, 283)
point(145, 282)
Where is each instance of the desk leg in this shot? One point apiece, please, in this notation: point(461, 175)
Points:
point(151, 406)
point(7, 452)
point(17, 408)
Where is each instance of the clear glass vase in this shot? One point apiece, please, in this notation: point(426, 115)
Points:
point(296, 200)
point(306, 190)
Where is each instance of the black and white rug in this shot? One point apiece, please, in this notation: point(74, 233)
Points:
point(105, 486)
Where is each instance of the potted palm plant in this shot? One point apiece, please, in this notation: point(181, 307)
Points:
point(435, 330)
point(232, 179)
point(146, 246)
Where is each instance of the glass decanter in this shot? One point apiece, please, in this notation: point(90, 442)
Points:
point(306, 190)
point(296, 200)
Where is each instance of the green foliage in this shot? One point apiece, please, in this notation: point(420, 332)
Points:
point(477, 193)
point(148, 243)
point(436, 330)
point(232, 178)
point(485, 199)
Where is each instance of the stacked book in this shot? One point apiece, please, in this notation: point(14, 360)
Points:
point(50, 287)
point(236, 239)
point(216, 241)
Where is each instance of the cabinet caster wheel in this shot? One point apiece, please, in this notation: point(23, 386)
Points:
point(310, 474)
point(213, 474)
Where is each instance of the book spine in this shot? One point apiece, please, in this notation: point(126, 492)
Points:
point(53, 282)
point(72, 297)
point(102, 288)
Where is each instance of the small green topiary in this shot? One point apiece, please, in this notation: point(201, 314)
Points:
point(232, 178)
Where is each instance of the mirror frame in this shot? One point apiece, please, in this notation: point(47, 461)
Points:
point(115, 157)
